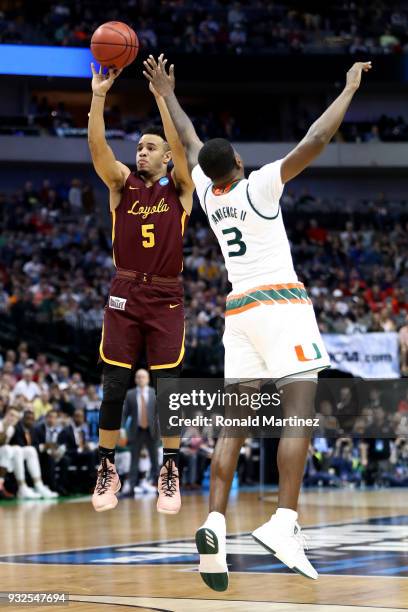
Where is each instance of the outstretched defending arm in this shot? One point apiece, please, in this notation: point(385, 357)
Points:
point(181, 172)
point(164, 83)
point(323, 130)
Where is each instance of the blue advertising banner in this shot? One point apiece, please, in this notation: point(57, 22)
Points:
point(45, 61)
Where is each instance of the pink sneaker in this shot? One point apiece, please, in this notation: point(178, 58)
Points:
point(107, 485)
point(169, 501)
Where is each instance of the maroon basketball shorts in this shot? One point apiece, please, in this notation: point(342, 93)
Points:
point(143, 311)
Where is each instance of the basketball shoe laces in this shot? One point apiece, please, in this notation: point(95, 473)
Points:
point(301, 538)
point(168, 479)
point(105, 477)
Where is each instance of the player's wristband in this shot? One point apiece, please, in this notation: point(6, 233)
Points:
point(99, 95)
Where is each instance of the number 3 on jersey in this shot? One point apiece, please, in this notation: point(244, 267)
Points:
point(148, 233)
point(235, 242)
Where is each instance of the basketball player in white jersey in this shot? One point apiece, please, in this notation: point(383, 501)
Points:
point(270, 326)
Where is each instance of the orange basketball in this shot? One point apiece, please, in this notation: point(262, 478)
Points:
point(114, 45)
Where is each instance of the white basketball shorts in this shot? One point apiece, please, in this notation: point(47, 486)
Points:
point(271, 332)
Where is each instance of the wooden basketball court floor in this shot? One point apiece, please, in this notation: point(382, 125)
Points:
point(132, 557)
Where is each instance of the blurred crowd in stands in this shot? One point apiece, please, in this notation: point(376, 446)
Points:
point(49, 436)
point(368, 449)
point(56, 266)
point(217, 26)
point(385, 129)
point(59, 119)
point(378, 462)
point(48, 427)
point(55, 270)
point(44, 118)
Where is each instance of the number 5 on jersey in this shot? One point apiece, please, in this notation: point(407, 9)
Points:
point(148, 234)
point(235, 241)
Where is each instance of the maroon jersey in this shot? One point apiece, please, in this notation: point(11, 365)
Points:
point(148, 227)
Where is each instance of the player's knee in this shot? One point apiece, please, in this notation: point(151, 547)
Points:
point(115, 385)
point(298, 397)
point(115, 382)
point(165, 373)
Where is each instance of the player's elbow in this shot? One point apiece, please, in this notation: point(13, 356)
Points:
point(97, 151)
point(95, 141)
point(318, 138)
point(92, 147)
point(189, 138)
point(92, 144)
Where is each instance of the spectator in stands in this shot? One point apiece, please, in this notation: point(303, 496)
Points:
point(26, 386)
point(238, 37)
point(140, 427)
point(147, 36)
point(376, 450)
point(318, 470)
point(403, 404)
point(79, 450)
point(206, 39)
point(346, 466)
point(388, 41)
point(235, 14)
point(209, 24)
point(33, 268)
point(270, 26)
point(75, 196)
point(41, 404)
point(24, 433)
point(339, 257)
point(373, 135)
point(51, 453)
point(358, 46)
point(403, 343)
point(17, 453)
point(209, 270)
point(11, 35)
point(385, 319)
point(7, 428)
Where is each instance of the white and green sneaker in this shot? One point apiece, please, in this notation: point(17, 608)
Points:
point(211, 546)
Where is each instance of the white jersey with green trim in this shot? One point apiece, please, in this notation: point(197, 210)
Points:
point(248, 224)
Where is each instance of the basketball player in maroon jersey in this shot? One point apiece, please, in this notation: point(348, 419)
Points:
point(150, 209)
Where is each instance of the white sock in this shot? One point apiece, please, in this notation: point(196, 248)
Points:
point(286, 517)
point(217, 520)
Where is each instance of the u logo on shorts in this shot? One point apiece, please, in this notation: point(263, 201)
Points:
point(300, 354)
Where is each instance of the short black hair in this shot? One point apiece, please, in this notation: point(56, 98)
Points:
point(217, 158)
point(157, 130)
